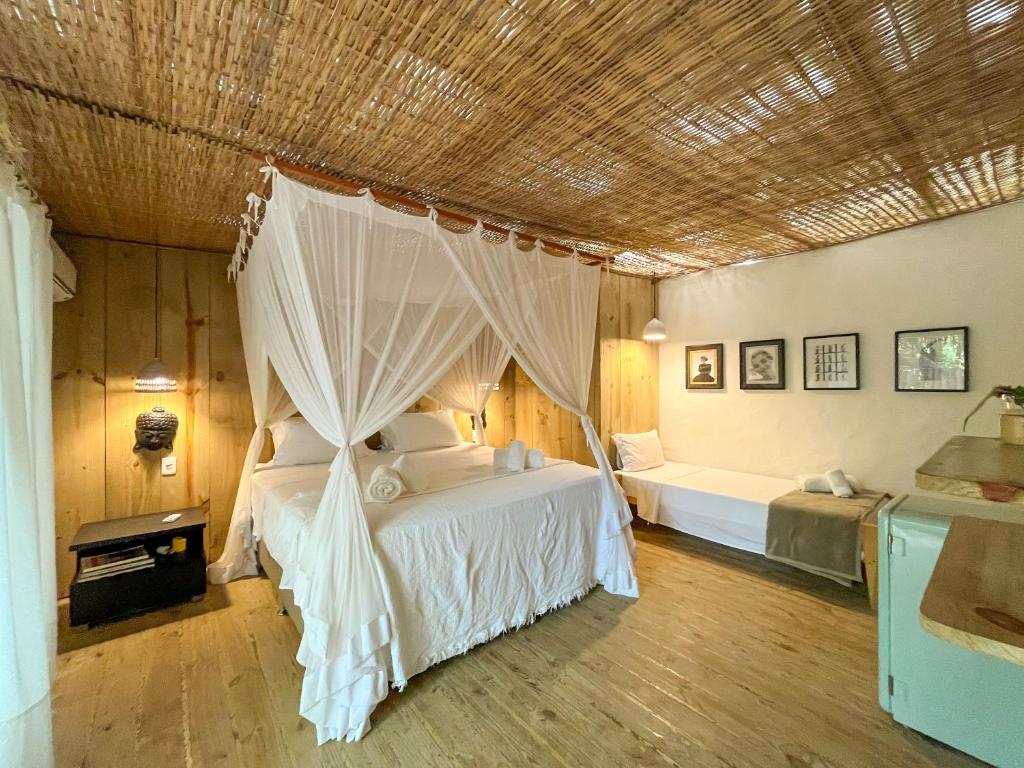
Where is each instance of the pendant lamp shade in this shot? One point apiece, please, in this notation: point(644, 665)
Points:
point(655, 330)
point(155, 378)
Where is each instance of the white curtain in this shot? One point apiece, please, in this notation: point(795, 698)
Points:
point(545, 310)
point(28, 579)
point(468, 384)
point(361, 313)
point(270, 404)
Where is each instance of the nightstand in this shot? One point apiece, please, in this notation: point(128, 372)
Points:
point(153, 578)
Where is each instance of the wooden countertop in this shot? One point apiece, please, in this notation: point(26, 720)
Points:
point(975, 467)
point(976, 594)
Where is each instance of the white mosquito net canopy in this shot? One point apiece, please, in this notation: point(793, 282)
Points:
point(350, 312)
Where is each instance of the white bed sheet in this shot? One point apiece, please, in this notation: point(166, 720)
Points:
point(462, 565)
point(726, 507)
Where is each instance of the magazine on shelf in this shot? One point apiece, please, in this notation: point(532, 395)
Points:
point(112, 561)
point(127, 568)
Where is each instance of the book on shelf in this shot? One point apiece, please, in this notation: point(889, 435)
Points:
point(110, 562)
point(128, 568)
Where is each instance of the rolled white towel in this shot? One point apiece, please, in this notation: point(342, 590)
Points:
point(409, 471)
point(517, 455)
point(501, 458)
point(820, 484)
point(839, 483)
point(534, 458)
point(385, 484)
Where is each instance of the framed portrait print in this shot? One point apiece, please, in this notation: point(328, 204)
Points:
point(832, 362)
point(704, 366)
point(763, 364)
point(932, 360)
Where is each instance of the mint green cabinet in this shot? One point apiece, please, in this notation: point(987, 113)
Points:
point(971, 701)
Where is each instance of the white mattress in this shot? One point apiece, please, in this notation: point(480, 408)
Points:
point(726, 507)
point(462, 564)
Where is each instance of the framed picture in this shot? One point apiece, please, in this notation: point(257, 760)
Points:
point(832, 362)
point(704, 367)
point(932, 360)
point(763, 364)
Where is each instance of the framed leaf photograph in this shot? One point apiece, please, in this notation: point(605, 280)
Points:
point(932, 360)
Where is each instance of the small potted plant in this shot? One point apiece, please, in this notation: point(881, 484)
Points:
point(1011, 423)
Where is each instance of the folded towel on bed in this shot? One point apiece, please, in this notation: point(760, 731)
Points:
point(820, 484)
point(411, 473)
point(840, 486)
point(501, 458)
point(517, 455)
point(534, 458)
point(512, 458)
point(385, 484)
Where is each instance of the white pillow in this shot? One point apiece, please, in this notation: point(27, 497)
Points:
point(639, 451)
point(421, 431)
point(296, 442)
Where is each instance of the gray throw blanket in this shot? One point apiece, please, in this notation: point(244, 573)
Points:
point(819, 532)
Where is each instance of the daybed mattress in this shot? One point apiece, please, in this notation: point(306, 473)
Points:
point(462, 564)
point(726, 507)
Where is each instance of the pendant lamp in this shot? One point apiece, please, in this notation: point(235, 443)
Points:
point(154, 377)
point(655, 329)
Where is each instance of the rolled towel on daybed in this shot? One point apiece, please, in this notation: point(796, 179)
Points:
point(410, 473)
point(534, 458)
point(385, 484)
point(840, 485)
point(820, 484)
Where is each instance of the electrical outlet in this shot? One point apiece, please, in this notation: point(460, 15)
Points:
point(169, 466)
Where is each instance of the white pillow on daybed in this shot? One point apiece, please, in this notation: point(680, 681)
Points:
point(421, 431)
point(296, 442)
point(638, 451)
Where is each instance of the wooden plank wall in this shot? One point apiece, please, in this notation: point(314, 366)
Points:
point(105, 335)
point(102, 338)
point(624, 382)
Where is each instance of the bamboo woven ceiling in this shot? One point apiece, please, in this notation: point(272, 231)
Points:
point(675, 136)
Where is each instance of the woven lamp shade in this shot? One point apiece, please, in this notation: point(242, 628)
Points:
point(155, 378)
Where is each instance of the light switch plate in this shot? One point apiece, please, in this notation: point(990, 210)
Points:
point(169, 466)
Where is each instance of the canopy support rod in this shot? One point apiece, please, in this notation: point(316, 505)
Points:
point(310, 173)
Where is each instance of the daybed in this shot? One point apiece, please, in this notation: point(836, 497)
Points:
point(719, 505)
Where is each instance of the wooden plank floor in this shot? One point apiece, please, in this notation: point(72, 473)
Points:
point(726, 660)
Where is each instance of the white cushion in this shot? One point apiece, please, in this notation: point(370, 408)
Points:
point(296, 442)
point(639, 451)
point(421, 431)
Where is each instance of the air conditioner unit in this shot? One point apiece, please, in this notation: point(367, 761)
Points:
point(65, 276)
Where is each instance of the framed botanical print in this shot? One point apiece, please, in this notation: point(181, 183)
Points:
point(832, 362)
point(932, 360)
point(763, 364)
point(704, 366)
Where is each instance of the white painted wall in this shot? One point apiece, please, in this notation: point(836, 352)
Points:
point(967, 270)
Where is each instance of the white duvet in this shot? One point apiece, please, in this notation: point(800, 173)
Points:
point(472, 556)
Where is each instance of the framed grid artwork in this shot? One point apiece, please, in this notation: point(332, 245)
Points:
point(832, 362)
